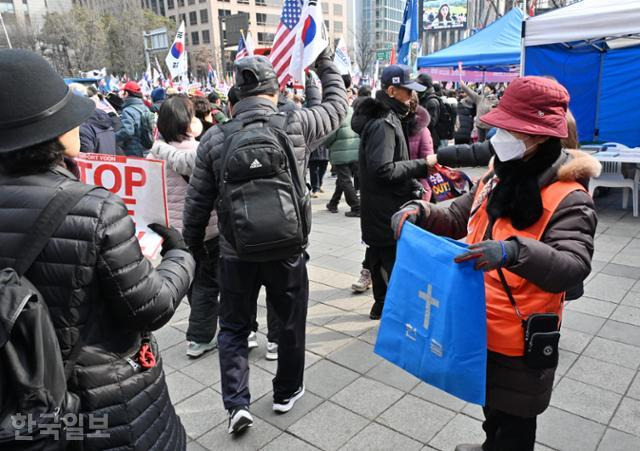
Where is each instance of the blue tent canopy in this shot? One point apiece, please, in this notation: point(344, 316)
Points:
point(592, 48)
point(496, 48)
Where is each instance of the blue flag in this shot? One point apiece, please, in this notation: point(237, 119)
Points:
point(408, 31)
point(434, 320)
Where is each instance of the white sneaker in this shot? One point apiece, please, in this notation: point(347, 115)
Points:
point(197, 349)
point(285, 405)
point(272, 351)
point(253, 340)
point(363, 283)
point(239, 420)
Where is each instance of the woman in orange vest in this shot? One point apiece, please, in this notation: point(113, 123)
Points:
point(530, 224)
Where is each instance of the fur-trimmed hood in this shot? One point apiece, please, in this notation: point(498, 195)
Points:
point(419, 121)
point(572, 166)
point(368, 109)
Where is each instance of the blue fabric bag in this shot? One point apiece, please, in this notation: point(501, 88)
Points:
point(434, 321)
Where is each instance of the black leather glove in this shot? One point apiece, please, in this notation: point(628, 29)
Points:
point(409, 212)
point(172, 238)
point(490, 254)
point(324, 57)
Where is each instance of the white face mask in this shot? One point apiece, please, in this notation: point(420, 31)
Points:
point(507, 146)
point(195, 129)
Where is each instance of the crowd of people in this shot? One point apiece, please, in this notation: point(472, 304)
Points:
point(240, 219)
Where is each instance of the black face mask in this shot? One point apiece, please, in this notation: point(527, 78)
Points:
point(400, 108)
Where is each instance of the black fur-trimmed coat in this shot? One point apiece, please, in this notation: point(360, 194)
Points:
point(387, 176)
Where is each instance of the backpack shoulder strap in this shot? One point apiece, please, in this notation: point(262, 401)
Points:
point(65, 198)
point(278, 121)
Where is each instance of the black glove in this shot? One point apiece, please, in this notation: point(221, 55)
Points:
point(172, 238)
point(324, 57)
point(490, 255)
point(410, 212)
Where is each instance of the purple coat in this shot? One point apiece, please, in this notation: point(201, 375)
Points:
point(420, 142)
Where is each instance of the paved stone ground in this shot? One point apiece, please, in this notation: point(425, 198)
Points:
point(355, 400)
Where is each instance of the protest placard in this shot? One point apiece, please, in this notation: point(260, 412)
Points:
point(141, 185)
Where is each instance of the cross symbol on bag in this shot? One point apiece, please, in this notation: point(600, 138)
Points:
point(430, 300)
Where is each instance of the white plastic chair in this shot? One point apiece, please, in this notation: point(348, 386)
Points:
point(612, 177)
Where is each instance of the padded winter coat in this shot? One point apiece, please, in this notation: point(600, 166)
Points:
point(97, 285)
point(420, 143)
point(306, 127)
point(97, 134)
point(129, 137)
point(343, 145)
point(559, 261)
point(387, 176)
point(180, 159)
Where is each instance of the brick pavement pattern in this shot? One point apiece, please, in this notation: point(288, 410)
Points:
point(357, 401)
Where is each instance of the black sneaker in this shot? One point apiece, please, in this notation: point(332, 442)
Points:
point(376, 310)
point(239, 419)
point(332, 208)
point(285, 405)
point(352, 214)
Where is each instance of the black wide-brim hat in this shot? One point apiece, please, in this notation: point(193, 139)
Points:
point(36, 105)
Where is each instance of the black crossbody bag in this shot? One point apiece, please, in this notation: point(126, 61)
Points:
point(541, 334)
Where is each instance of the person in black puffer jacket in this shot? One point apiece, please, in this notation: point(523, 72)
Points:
point(466, 110)
point(387, 176)
point(96, 283)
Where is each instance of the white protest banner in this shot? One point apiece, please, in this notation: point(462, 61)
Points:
point(140, 183)
point(342, 59)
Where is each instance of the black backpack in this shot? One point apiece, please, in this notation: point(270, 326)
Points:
point(447, 115)
point(264, 206)
point(33, 388)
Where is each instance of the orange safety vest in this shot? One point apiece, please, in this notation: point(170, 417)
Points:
point(504, 329)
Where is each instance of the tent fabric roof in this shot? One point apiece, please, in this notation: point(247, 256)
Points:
point(494, 48)
point(588, 19)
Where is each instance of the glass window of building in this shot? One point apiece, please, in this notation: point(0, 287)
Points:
point(261, 19)
point(204, 16)
point(337, 9)
point(195, 37)
point(206, 37)
point(170, 4)
point(193, 18)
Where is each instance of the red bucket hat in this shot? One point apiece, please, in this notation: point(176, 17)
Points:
point(532, 105)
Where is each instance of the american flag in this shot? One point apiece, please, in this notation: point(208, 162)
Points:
point(242, 50)
point(284, 39)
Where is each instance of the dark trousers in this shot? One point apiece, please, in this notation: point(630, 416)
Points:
point(508, 432)
point(203, 296)
point(273, 324)
point(381, 261)
point(287, 287)
point(482, 134)
point(344, 184)
point(317, 169)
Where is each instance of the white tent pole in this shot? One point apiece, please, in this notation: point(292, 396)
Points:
point(523, 49)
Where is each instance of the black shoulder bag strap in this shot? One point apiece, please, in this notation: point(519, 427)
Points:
point(503, 280)
point(66, 197)
point(279, 122)
point(505, 285)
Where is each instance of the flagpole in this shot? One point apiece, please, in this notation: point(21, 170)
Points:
point(6, 34)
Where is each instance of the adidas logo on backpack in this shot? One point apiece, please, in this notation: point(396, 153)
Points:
point(255, 165)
